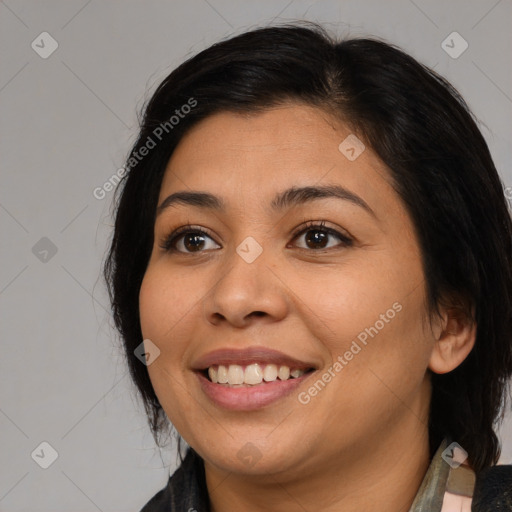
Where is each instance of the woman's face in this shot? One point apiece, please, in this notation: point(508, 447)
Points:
point(257, 287)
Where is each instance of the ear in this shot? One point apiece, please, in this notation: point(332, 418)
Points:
point(454, 339)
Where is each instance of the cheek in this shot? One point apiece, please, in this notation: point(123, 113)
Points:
point(163, 319)
point(378, 364)
point(348, 303)
point(165, 304)
point(153, 302)
point(372, 320)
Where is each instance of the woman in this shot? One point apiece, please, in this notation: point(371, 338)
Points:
point(313, 259)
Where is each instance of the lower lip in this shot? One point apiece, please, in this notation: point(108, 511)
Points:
point(249, 398)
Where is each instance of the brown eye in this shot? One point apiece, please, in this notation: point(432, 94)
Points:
point(316, 237)
point(319, 239)
point(185, 240)
point(193, 242)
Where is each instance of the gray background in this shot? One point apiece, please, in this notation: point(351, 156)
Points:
point(67, 122)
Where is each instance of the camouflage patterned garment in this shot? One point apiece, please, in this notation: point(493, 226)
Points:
point(446, 487)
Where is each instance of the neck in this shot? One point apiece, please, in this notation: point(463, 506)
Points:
point(388, 472)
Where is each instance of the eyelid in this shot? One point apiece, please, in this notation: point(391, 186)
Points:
point(320, 224)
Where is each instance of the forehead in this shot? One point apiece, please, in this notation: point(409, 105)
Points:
point(251, 156)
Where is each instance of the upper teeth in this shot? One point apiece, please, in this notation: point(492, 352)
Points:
point(253, 374)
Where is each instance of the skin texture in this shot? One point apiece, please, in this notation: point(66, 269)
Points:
point(362, 439)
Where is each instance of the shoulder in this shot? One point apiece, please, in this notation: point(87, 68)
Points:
point(185, 489)
point(160, 502)
point(493, 489)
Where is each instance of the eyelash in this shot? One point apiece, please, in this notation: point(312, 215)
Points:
point(168, 243)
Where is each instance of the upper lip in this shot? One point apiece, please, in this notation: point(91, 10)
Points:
point(257, 354)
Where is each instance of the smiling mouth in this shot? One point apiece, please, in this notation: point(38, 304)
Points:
point(255, 374)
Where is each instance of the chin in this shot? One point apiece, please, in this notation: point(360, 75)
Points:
point(251, 457)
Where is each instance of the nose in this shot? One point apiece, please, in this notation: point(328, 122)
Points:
point(248, 291)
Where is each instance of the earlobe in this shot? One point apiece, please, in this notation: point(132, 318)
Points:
point(454, 342)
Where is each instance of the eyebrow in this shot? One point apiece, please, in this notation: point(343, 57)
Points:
point(290, 197)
